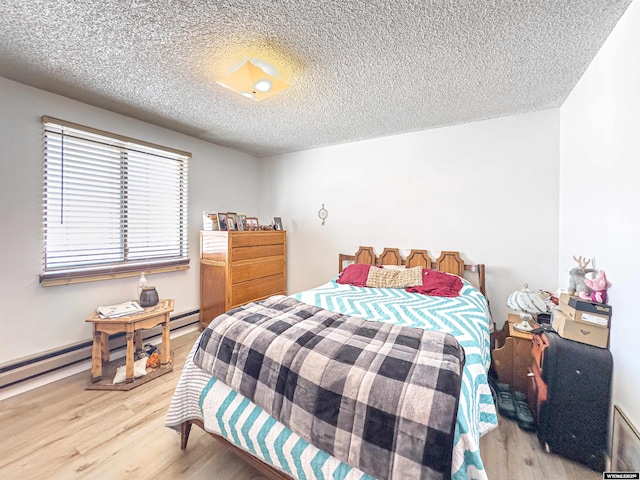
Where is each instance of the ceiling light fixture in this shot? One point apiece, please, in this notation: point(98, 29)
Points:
point(253, 82)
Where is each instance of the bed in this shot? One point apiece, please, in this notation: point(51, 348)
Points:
point(200, 399)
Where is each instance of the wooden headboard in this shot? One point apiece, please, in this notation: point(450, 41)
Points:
point(449, 262)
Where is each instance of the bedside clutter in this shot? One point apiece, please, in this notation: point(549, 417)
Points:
point(582, 321)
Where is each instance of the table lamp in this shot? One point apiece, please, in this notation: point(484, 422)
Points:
point(527, 304)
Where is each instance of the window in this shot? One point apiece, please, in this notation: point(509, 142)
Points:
point(113, 206)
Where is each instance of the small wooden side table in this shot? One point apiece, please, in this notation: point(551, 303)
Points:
point(132, 326)
point(512, 355)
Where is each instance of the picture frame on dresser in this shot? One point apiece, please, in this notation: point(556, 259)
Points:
point(222, 222)
point(215, 226)
point(252, 223)
point(231, 222)
point(277, 223)
point(241, 222)
point(207, 221)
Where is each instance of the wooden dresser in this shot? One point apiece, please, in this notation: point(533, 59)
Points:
point(239, 267)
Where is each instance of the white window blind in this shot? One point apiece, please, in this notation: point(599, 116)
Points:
point(112, 205)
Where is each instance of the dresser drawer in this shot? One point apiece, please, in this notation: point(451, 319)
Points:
point(249, 253)
point(253, 270)
point(257, 289)
point(254, 239)
point(213, 246)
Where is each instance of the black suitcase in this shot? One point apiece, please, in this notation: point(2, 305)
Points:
point(571, 392)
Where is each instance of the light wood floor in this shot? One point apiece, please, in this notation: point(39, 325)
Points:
point(62, 431)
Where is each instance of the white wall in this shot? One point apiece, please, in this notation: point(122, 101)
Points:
point(33, 318)
point(487, 189)
point(600, 191)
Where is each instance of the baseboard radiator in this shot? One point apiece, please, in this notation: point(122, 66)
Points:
point(33, 366)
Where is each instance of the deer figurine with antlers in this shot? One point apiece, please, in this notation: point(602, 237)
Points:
point(577, 277)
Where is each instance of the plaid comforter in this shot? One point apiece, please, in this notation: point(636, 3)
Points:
point(377, 396)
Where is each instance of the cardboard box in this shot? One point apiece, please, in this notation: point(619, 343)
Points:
point(582, 311)
point(591, 307)
point(580, 316)
point(579, 331)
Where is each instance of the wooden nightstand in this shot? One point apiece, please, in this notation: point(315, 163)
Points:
point(512, 355)
point(132, 326)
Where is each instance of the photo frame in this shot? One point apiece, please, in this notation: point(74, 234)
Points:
point(215, 226)
point(222, 222)
point(241, 221)
point(231, 222)
point(625, 444)
point(252, 223)
point(277, 223)
point(206, 221)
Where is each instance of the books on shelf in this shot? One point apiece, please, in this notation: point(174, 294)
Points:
point(118, 310)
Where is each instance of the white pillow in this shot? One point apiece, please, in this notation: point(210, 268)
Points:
point(139, 369)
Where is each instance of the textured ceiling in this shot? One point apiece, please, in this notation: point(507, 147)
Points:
point(358, 69)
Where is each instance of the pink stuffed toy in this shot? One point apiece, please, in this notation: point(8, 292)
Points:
point(599, 286)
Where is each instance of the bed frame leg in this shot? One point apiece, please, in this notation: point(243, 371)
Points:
point(185, 429)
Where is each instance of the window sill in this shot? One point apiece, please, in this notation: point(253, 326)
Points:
point(108, 276)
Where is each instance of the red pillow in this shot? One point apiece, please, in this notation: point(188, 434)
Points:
point(438, 284)
point(355, 274)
